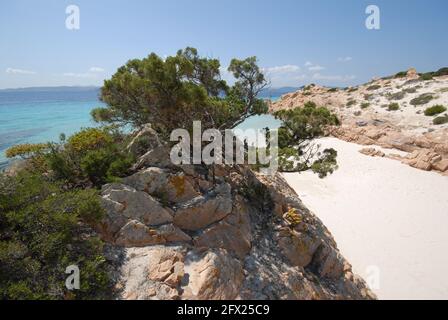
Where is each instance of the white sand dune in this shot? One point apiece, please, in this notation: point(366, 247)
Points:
point(386, 217)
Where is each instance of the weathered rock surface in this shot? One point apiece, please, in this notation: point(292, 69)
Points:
point(192, 232)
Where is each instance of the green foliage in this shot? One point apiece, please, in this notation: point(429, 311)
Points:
point(258, 195)
point(170, 93)
point(422, 99)
point(333, 90)
point(365, 105)
point(393, 107)
point(326, 163)
point(351, 103)
point(299, 127)
point(397, 95)
point(44, 229)
point(401, 74)
point(26, 150)
point(92, 156)
point(373, 87)
point(410, 90)
point(89, 139)
point(431, 111)
point(426, 76)
point(440, 120)
point(441, 72)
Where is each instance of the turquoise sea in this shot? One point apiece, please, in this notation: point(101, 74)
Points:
point(41, 114)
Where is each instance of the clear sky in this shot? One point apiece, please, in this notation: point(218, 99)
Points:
point(297, 42)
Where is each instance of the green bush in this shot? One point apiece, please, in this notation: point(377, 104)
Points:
point(441, 72)
point(299, 126)
point(401, 74)
point(365, 105)
point(426, 76)
point(410, 90)
point(43, 230)
point(351, 103)
point(397, 95)
point(393, 107)
point(432, 111)
point(422, 99)
point(90, 157)
point(440, 120)
point(373, 87)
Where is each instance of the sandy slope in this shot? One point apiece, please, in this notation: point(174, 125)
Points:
point(386, 215)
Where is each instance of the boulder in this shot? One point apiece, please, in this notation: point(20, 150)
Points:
point(212, 275)
point(233, 233)
point(152, 273)
point(298, 247)
point(372, 152)
point(441, 165)
point(202, 211)
point(160, 182)
point(136, 234)
point(123, 200)
point(157, 157)
point(146, 139)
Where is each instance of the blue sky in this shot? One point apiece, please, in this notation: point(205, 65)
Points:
point(297, 42)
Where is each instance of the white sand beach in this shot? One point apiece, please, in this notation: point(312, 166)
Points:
point(386, 217)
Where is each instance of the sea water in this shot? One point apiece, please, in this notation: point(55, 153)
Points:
point(41, 115)
point(38, 115)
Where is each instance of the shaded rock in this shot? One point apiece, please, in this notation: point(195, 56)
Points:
point(146, 139)
point(157, 157)
point(298, 247)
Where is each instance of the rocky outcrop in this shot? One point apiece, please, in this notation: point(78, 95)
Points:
point(367, 118)
point(196, 232)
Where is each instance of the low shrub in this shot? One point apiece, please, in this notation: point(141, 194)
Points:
point(401, 74)
point(440, 120)
point(422, 99)
point(373, 87)
point(26, 150)
point(441, 72)
point(397, 95)
point(393, 107)
point(365, 105)
point(410, 90)
point(351, 103)
point(43, 230)
point(432, 111)
point(426, 76)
